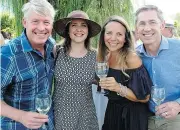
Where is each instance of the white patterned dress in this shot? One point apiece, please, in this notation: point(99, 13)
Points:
point(74, 108)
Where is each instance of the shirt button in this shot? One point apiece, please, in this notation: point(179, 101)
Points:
point(154, 72)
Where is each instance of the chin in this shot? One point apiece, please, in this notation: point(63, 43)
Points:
point(41, 42)
point(80, 41)
point(148, 42)
point(113, 50)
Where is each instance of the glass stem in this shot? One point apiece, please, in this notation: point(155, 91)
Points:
point(44, 127)
point(158, 103)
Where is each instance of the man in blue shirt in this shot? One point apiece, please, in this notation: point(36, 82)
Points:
point(27, 64)
point(161, 57)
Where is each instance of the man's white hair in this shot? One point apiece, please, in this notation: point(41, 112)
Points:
point(41, 7)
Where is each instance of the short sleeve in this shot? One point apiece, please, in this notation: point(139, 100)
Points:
point(140, 83)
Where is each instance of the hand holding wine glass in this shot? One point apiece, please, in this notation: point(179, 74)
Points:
point(43, 104)
point(32, 120)
point(101, 69)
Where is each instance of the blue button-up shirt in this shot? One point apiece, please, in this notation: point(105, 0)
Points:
point(164, 68)
point(24, 74)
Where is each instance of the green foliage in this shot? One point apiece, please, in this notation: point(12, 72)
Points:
point(15, 6)
point(7, 22)
point(177, 17)
point(177, 28)
point(63, 7)
point(98, 10)
point(177, 25)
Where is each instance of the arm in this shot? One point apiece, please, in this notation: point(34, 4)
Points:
point(131, 96)
point(111, 84)
point(31, 120)
point(133, 61)
point(10, 112)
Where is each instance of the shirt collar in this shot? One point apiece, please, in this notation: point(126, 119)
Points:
point(163, 45)
point(25, 42)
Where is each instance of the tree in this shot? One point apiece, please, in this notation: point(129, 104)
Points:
point(100, 10)
point(14, 6)
point(97, 10)
point(7, 23)
point(177, 24)
point(63, 7)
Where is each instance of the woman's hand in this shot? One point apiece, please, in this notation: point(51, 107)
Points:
point(109, 83)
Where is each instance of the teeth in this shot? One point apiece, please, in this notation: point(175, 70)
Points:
point(78, 35)
point(41, 34)
point(113, 44)
point(147, 35)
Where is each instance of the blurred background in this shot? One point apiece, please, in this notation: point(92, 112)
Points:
point(98, 10)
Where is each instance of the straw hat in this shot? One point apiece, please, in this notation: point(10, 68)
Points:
point(60, 25)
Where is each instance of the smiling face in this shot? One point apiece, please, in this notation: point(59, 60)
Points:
point(149, 27)
point(38, 29)
point(114, 36)
point(78, 31)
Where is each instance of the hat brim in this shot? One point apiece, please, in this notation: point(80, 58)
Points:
point(60, 26)
point(169, 25)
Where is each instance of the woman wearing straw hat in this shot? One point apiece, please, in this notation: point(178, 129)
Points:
point(74, 72)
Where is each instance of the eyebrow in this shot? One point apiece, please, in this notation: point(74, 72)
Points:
point(109, 31)
point(148, 20)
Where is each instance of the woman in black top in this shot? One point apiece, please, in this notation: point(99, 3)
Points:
point(128, 82)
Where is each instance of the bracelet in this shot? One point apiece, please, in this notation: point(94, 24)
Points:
point(123, 90)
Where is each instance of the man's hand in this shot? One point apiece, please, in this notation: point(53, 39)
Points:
point(33, 120)
point(168, 110)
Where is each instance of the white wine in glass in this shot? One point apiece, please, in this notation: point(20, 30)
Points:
point(101, 69)
point(43, 104)
point(158, 95)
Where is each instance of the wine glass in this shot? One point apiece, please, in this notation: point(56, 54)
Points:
point(43, 104)
point(101, 69)
point(158, 95)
